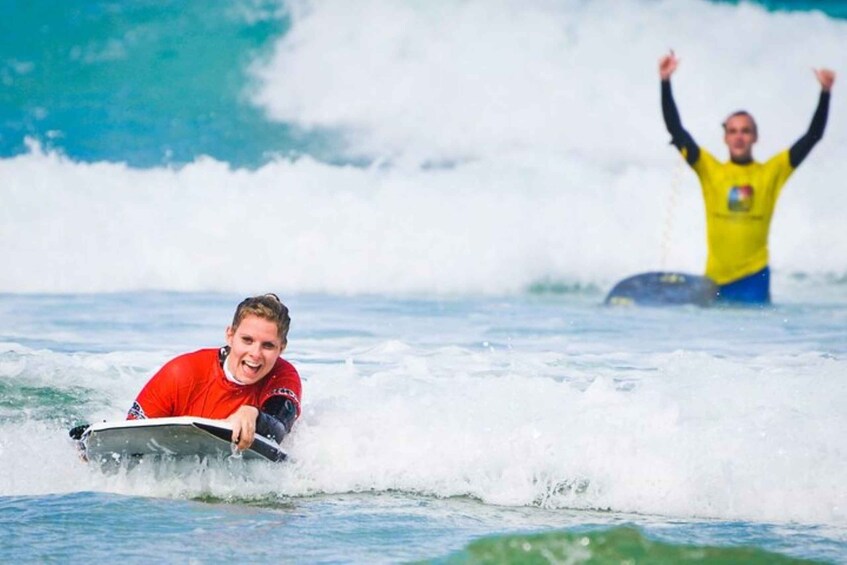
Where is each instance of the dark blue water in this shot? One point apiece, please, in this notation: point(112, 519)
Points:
point(145, 82)
point(157, 82)
point(443, 430)
point(834, 8)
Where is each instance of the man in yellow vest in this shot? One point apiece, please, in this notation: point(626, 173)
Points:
point(741, 194)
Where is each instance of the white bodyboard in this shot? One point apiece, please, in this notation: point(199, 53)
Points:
point(179, 437)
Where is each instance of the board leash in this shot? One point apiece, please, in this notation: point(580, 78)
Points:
point(670, 214)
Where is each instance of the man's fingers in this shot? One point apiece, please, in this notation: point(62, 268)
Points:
point(243, 423)
point(246, 439)
point(243, 433)
point(825, 77)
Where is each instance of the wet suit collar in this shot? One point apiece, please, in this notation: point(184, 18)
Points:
point(742, 161)
point(223, 353)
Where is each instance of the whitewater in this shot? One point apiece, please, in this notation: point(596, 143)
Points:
point(478, 149)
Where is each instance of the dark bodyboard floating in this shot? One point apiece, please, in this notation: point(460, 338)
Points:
point(663, 289)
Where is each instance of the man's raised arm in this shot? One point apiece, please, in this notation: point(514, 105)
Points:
point(801, 148)
point(679, 136)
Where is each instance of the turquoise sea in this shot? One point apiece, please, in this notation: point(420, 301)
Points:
point(442, 193)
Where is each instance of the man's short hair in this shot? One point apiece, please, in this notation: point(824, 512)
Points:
point(742, 113)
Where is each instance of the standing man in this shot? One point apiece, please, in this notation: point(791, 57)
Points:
point(741, 194)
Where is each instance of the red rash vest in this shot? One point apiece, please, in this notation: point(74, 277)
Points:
point(194, 384)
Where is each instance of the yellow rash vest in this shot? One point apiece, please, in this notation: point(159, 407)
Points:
point(740, 202)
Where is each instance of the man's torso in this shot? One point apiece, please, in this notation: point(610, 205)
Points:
point(740, 201)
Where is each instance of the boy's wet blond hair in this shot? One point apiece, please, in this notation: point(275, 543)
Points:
point(268, 307)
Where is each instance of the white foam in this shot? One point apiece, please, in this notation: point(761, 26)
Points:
point(561, 168)
point(685, 433)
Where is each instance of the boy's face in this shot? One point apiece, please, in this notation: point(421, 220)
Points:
point(255, 346)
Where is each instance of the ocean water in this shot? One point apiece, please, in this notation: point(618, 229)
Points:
point(442, 193)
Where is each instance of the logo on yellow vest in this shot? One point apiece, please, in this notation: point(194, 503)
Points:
point(740, 198)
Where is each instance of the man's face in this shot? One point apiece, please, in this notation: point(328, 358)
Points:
point(740, 135)
point(254, 348)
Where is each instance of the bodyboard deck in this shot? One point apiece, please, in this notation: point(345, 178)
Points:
point(663, 289)
point(178, 437)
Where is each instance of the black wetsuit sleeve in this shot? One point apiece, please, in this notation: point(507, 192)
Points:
point(270, 427)
point(801, 148)
point(679, 136)
point(276, 418)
